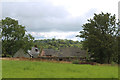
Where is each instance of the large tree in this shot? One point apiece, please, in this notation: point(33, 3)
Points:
point(100, 37)
point(0, 38)
point(14, 37)
point(119, 43)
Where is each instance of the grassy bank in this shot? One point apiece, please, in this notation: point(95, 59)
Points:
point(28, 69)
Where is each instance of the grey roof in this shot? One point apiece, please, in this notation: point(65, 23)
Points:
point(66, 52)
point(21, 53)
point(72, 51)
point(51, 52)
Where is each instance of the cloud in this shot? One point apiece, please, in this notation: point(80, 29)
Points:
point(44, 20)
point(56, 35)
point(43, 16)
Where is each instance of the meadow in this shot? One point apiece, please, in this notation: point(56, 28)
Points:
point(39, 69)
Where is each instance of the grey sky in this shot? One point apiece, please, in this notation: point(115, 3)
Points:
point(43, 16)
point(55, 18)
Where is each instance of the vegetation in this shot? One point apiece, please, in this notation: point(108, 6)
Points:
point(0, 29)
point(76, 62)
point(119, 50)
point(57, 43)
point(55, 70)
point(14, 37)
point(100, 38)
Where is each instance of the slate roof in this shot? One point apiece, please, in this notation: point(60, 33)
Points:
point(51, 52)
point(21, 53)
point(72, 52)
point(66, 52)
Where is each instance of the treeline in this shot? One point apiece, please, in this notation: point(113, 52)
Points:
point(57, 43)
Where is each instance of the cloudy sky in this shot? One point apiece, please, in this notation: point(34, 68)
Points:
point(60, 19)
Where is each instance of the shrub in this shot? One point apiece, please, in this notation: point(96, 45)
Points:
point(113, 63)
point(76, 62)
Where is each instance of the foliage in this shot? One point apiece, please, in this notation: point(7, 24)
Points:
point(0, 30)
point(113, 63)
point(57, 43)
point(100, 37)
point(76, 62)
point(0, 49)
point(14, 37)
point(118, 48)
point(33, 69)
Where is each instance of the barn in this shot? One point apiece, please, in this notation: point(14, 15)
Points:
point(64, 52)
point(50, 52)
point(21, 53)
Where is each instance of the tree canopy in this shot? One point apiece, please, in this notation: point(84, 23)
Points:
point(14, 37)
point(57, 43)
point(100, 37)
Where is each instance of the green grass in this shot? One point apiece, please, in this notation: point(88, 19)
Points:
point(28, 69)
point(0, 69)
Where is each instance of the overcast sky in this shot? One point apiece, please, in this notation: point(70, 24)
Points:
point(60, 19)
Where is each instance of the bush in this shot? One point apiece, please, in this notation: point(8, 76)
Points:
point(113, 63)
point(76, 62)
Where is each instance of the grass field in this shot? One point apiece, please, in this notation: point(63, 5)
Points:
point(0, 69)
point(29, 69)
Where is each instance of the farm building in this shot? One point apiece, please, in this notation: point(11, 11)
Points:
point(21, 53)
point(72, 52)
point(32, 52)
point(49, 52)
point(64, 52)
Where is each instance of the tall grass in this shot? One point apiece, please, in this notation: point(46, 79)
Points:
point(28, 69)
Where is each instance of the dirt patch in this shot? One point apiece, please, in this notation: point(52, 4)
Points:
point(33, 59)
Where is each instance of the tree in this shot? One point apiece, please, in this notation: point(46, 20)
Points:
point(0, 38)
point(57, 43)
point(100, 37)
point(118, 38)
point(14, 37)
